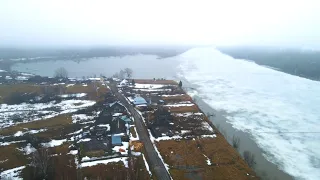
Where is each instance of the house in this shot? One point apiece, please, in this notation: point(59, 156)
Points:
point(161, 102)
point(116, 140)
point(118, 126)
point(116, 107)
point(139, 101)
point(124, 83)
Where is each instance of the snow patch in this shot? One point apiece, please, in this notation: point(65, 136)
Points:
point(94, 163)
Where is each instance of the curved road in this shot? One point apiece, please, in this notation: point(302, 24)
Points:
point(154, 161)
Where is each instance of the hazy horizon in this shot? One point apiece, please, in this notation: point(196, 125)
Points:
point(98, 23)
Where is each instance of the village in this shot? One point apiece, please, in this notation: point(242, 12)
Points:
point(98, 128)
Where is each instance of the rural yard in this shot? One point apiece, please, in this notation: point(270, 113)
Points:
point(99, 128)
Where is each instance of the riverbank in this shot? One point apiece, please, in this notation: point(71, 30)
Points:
point(264, 168)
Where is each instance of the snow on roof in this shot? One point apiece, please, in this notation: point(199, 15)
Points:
point(54, 143)
point(139, 100)
point(124, 82)
point(117, 102)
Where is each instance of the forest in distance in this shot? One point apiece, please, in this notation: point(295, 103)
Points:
point(303, 63)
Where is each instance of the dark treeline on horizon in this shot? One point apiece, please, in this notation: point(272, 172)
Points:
point(303, 63)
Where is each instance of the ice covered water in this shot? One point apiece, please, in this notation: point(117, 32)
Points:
point(264, 102)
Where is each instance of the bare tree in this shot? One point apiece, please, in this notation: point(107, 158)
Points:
point(61, 73)
point(41, 161)
point(122, 74)
point(128, 72)
point(249, 158)
point(235, 142)
point(115, 75)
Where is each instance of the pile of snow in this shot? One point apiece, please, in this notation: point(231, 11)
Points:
point(94, 163)
point(77, 95)
point(134, 138)
point(69, 85)
point(76, 132)
point(12, 173)
point(117, 114)
point(54, 143)
point(125, 146)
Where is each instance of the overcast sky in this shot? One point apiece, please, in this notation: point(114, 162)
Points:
point(115, 22)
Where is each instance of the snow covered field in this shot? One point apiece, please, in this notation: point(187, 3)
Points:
point(259, 100)
point(22, 113)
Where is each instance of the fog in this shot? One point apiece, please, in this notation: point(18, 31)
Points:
point(94, 23)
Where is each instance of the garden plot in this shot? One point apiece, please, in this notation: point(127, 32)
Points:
point(24, 112)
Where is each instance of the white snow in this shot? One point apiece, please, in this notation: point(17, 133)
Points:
point(19, 133)
point(84, 140)
point(12, 174)
point(28, 149)
point(4, 161)
point(152, 90)
point(105, 125)
point(77, 95)
point(11, 142)
point(73, 152)
point(76, 132)
point(116, 114)
point(163, 138)
point(257, 100)
point(146, 164)
point(179, 105)
point(54, 143)
point(125, 146)
point(94, 163)
point(80, 118)
point(187, 114)
point(95, 79)
point(69, 85)
point(148, 86)
point(209, 136)
point(206, 126)
point(173, 95)
point(134, 138)
point(32, 112)
point(208, 160)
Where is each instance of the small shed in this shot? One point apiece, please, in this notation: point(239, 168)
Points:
point(139, 100)
point(116, 140)
point(161, 101)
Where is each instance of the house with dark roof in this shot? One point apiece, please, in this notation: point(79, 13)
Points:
point(116, 107)
point(162, 124)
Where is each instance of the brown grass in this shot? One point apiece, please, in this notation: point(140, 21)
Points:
point(133, 132)
point(90, 90)
point(7, 90)
point(183, 97)
point(227, 163)
point(151, 81)
point(183, 109)
point(98, 153)
point(52, 123)
point(15, 157)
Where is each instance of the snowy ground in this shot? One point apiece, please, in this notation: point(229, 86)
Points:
point(94, 163)
point(22, 113)
point(12, 173)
